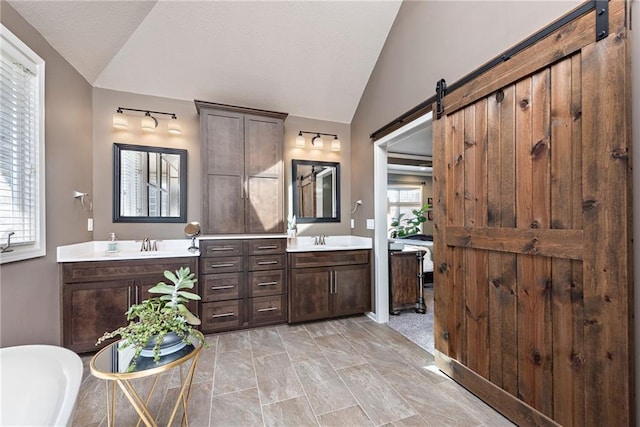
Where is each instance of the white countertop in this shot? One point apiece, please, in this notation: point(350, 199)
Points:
point(176, 248)
point(127, 249)
point(332, 243)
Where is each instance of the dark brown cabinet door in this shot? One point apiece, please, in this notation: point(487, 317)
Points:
point(310, 294)
point(351, 289)
point(223, 133)
point(264, 211)
point(263, 146)
point(93, 309)
point(242, 163)
point(225, 203)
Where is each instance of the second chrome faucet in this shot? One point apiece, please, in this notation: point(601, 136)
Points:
point(148, 245)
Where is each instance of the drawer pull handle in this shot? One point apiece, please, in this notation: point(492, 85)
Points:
point(268, 247)
point(221, 265)
point(215, 316)
point(215, 288)
point(267, 262)
point(223, 249)
point(267, 283)
point(262, 310)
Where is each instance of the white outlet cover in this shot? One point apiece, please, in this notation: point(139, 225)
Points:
point(353, 223)
point(370, 224)
point(90, 224)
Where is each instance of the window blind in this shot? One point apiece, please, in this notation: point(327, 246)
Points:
point(19, 147)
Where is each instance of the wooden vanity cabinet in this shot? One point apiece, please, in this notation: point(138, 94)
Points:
point(243, 283)
point(96, 295)
point(242, 169)
point(328, 284)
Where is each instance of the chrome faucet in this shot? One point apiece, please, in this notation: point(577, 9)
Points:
point(148, 245)
point(320, 240)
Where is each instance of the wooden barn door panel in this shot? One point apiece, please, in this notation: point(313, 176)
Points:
point(533, 280)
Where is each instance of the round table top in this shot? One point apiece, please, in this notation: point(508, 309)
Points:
point(113, 361)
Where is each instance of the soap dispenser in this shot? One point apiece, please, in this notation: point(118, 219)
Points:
point(113, 243)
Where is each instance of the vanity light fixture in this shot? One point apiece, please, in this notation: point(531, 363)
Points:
point(317, 142)
point(148, 122)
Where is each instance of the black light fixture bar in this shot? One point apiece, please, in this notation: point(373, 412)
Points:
point(317, 133)
point(147, 112)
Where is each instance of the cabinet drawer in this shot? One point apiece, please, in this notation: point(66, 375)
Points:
point(266, 246)
point(328, 259)
point(267, 309)
point(217, 248)
point(93, 271)
point(221, 265)
point(221, 315)
point(266, 262)
point(262, 283)
point(222, 286)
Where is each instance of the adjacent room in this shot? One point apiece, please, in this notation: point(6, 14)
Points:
point(323, 213)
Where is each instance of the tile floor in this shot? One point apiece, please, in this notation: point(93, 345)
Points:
point(344, 372)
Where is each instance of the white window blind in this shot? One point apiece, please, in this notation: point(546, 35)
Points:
point(402, 199)
point(21, 150)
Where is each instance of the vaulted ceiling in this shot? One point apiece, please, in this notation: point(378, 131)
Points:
point(308, 58)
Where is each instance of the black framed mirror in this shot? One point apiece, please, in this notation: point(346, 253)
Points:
point(149, 184)
point(316, 191)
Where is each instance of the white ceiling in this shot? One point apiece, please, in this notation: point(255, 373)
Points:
point(307, 58)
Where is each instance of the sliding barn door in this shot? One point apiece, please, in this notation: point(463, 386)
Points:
point(533, 277)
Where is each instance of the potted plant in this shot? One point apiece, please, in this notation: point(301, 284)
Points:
point(160, 321)
point(409, 226)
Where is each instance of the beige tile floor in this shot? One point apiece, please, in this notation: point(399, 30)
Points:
point(344, 372)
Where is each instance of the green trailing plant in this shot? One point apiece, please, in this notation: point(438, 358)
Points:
point(403, 227)
point(155, 317)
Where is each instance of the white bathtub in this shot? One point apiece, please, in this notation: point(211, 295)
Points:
point(39, 385)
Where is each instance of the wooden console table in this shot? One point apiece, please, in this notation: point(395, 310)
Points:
point(406, 279)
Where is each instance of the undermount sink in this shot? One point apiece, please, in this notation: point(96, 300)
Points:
point(332, 243)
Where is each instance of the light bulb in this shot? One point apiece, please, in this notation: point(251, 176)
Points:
point(174, 126)
point(300, 140)
point(335, 144)
point(148, 123)
point(317, 142)
point(120, 121)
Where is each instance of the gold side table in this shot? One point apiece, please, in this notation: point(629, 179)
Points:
point(112, 363)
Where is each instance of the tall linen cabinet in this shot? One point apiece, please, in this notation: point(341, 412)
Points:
point(242, 169)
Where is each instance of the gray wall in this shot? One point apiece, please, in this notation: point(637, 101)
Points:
point(30, 290)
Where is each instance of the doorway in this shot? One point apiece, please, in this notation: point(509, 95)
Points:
point(403, 165)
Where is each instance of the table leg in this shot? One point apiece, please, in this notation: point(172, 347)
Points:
point(146, 402)
point(185, 387)
point(111, 402)
point(137, 403)
point(420, 305)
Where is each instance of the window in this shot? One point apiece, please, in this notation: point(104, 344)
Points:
point(402, 199)
point(22, 192)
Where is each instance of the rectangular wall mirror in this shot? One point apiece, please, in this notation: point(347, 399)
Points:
point(316, 191)
point(149, 184)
